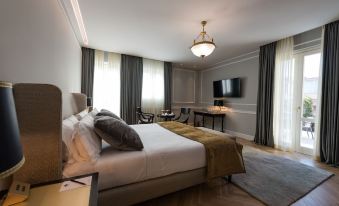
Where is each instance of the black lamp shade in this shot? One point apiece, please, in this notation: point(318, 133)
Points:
point(89, 102)
point(219, 103)
point(11, 155)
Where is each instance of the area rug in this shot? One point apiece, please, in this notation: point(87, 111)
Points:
point(276, 180)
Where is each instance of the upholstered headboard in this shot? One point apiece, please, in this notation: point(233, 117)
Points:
point(73, 103)
point(40, 112)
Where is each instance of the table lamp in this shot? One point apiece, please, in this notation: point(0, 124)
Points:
point(11, 155)
point(218, 102)
point(89, 104)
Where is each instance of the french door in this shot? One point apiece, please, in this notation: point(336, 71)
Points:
point(308, 80)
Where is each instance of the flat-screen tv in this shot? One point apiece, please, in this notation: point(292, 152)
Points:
point(226, 88)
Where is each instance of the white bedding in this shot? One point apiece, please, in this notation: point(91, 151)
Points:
point(164, 153)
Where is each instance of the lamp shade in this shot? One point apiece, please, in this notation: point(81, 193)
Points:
point(11, 155)
point(89, 102)
point(203, 49)
point(219, 103)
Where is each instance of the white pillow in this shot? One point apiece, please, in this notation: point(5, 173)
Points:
point(94, 112)
point(87, 143)
point(82, 114)
point(69, 126)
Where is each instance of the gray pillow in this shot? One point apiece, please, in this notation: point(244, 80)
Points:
point(105, 112)
point(118, 134)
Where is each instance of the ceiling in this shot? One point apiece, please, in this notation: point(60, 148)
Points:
point(164, 29)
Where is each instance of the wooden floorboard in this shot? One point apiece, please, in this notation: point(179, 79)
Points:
point(219, 192)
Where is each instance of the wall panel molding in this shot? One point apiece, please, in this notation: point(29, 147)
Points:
point(243, 111)
point(241, 135)
point(234, 60)
point(176, 99)
point(223, 65)
point(242, 56)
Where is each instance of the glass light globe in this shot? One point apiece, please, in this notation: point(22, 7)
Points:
point(203, 49)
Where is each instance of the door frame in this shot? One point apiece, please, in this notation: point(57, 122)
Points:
point(299, 66)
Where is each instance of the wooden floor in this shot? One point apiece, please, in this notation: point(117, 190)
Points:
point(220, 192)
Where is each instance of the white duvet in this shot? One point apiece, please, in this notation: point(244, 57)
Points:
point(164, 153)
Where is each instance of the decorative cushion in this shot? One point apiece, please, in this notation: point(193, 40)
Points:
point(88, 144)
point(105, 112)
point(118, 134)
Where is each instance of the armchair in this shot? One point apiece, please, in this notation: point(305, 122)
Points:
point(143, 117)
point(184, 115)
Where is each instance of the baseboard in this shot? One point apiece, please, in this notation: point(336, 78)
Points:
point(241, 135)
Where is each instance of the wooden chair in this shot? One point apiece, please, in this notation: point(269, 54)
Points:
point(184, 115)
point(143, 117)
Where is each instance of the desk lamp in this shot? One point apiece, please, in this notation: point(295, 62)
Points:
point(11, 155)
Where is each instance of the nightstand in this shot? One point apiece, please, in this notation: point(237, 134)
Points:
point(77, 193)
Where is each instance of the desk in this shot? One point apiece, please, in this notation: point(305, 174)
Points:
point(166, 117)
point(210, 114)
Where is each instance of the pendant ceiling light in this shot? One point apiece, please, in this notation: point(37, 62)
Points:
point(203, 45)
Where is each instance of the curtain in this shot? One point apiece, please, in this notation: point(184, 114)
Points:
point(87, 71)
point(106, 89)
point(316, 143)
point(284, 115)
point(168, 85)
point(329, 123)
point(131, 87)
point(153, 86)
point(264, 119)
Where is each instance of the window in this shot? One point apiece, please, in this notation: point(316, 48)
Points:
point(153, 86)
point(106, 85)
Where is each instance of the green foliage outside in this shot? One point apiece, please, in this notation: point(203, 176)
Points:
point(308, 108)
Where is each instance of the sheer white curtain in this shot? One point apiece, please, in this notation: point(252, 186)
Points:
point(106, 86)
point(284, 116)
point(316, 143)
point(153, 86)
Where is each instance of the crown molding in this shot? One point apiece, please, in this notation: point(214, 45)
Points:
point(73, 14)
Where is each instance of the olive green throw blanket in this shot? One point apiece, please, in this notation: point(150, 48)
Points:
point(223, 154)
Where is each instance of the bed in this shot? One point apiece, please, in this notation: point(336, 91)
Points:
point(166, 157)
point(164, 153)
point(169, 162)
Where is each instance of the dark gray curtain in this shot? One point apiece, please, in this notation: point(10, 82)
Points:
point(87, 71)
point(168, 85)
point(329, 125)
point(264, 128)
point(131, 87)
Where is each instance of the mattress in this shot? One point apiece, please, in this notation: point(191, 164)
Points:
point(164, 153)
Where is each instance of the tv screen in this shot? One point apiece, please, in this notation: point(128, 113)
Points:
point(226, 88)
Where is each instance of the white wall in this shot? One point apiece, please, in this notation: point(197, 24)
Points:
point(241, 119)
point(184, 82)
point(185, 92)
point(37, 45)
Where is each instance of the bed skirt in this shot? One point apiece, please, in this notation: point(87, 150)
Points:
point(149, 189)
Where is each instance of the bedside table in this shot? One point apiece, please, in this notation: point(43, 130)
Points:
point(79, 194)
